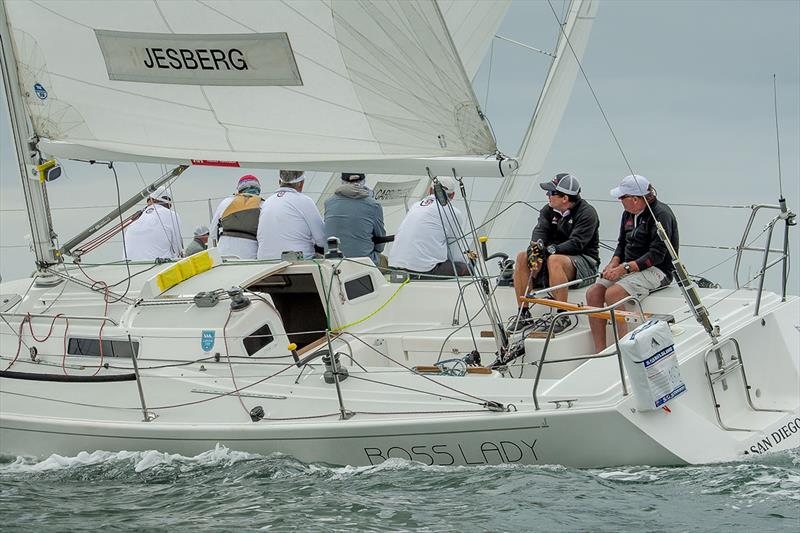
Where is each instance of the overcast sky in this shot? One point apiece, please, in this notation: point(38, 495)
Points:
point(687, 86)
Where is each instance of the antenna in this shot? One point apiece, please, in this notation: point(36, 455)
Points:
point(782, 200)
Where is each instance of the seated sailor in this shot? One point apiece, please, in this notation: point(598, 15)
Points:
point(235, 222)
point(641, 261)
point(289, 221)
point(564, 247)
point(353, 216)
point(427, 240)
point(156, 234)
point(199, 243)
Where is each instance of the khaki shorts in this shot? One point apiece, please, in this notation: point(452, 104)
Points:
point(638, 284)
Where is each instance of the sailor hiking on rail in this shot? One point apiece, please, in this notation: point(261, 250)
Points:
point(564, 247)
point(641, 262)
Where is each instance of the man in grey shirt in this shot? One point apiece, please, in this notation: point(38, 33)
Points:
point(353, 216)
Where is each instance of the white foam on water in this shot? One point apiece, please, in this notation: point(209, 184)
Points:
point(143, 461)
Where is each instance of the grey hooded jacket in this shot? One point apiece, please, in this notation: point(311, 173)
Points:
point(353, 216)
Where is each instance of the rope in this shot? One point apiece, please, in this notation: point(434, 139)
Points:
point(375, 312)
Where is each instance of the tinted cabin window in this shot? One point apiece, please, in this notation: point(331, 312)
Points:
point(358, 287)
point(91, 347)
point(258, 339)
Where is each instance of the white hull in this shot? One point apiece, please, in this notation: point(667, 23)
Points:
point(397, 413)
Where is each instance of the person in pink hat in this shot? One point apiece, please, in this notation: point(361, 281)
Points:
point(235, 222)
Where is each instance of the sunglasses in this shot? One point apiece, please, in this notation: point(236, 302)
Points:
point(555, 193)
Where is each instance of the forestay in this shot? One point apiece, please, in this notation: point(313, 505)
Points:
point(245, 82)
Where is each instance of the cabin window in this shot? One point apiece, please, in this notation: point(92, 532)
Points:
point(91, 347)
point(355, 288)
point(258, 339)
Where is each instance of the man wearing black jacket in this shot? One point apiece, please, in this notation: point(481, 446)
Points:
point(564, 245)
point(641, 262)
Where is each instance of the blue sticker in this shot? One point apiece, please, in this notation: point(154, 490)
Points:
point(207, 340)
point(40, 91)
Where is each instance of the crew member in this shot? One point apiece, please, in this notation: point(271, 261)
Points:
point(641, 262)
point(353, 216)
point(289, 220)
point(156, 234)
point(427, 240)
point(199, 243)
point(564, 247)
point(235, 221)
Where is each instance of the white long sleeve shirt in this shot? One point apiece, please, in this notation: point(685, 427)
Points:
point(427, 237)
point(155, 234)
point(289, 221)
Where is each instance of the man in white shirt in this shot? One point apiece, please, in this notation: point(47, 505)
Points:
point(427, 240)
point(157, 232)
point(236, 220)
point(289, 221)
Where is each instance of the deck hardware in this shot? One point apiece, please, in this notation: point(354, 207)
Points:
point(496, 407)
point(206, 299)
point(147, 416)
point(616, 352)
point(735, 364)
point(333, 362)
point(238, 300)
point(256, 413)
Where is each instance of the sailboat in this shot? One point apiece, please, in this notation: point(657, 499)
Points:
point(330, 360)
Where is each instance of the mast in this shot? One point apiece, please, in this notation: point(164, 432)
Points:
point(42, 235)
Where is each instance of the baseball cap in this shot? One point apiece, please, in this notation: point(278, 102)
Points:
point(162, 194)
point(201, 230)
point(448, 182)
point(292, 176)
point(353, 177)
point(634, 185)
point(247, 181)
point(564, 183)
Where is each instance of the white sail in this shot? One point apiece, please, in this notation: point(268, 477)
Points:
point(472, 26)
point(246, 82)
point(553, 100)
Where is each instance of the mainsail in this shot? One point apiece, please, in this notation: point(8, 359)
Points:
point(250, 83)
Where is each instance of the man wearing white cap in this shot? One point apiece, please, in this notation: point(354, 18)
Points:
point(564, 247)
point(427, 240)
point(156, 234)
point(199, 243)
point(289, 220)
point(235, 222)
point(641, 262)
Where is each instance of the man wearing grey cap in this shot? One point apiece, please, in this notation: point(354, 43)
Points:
point(641, 262)
point(564, 247)
point(353, 216)
point(199, 243)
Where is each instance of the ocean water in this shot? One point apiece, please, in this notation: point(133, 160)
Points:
point(226, 490)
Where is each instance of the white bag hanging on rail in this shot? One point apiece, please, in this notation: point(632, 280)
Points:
point(649, 357)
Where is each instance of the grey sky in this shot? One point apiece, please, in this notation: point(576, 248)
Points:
point(687, 87)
